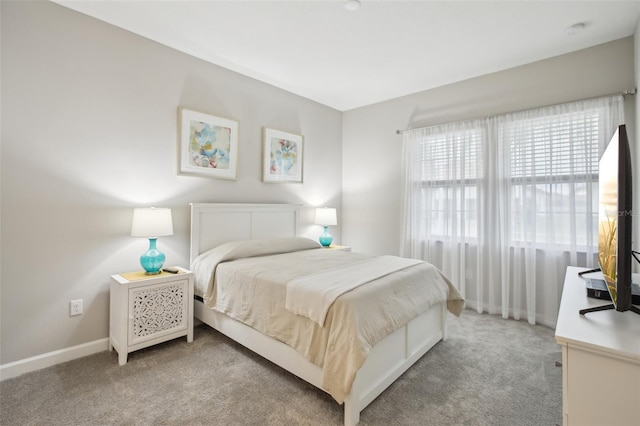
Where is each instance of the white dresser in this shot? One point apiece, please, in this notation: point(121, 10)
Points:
point(600, 359)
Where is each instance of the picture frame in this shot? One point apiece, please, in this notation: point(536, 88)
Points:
point(208, 145)
point(283, 156)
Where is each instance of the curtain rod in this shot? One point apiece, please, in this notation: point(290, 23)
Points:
point(624, 93)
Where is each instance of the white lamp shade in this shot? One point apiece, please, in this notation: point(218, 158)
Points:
point(151, 222)
point(326, 217)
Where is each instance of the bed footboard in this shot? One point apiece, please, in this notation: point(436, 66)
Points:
point(385, 363)
point(393, 356)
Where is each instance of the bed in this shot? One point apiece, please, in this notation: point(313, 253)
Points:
point(250, 242)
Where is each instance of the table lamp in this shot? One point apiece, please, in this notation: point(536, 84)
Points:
point(326, 217)
point(152, 223)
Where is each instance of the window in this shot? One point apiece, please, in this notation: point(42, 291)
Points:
point(504, 204)
point(553, 172)
point(451, 170)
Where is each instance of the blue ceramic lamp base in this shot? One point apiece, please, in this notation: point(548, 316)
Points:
point(325, 239)
point(153, 259)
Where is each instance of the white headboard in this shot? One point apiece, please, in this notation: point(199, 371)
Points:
point(213, 224)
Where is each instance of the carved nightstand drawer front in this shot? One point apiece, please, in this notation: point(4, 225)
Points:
point(157, 310)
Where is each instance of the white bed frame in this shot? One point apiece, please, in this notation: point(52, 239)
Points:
point(214, 224)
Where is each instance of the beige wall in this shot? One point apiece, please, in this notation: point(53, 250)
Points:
point(371, 159)
point(89, 132)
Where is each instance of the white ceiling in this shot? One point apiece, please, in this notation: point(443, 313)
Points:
point(386, 49)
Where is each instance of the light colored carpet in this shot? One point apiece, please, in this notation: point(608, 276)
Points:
point(490, 371)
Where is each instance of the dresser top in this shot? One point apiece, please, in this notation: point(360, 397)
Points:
point(615, 333)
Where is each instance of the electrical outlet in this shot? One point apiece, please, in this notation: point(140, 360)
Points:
point(75, 307)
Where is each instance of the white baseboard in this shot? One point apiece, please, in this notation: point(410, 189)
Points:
point(38, 362)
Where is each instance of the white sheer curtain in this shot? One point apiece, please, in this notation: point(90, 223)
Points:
point(503, 205)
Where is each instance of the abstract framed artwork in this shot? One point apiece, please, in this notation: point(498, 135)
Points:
point(282, 156)
point(208, 145)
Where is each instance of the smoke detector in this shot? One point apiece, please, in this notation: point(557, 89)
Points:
point(352, 5)
point(576, 28)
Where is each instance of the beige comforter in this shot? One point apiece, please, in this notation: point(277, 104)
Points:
point(253, 290)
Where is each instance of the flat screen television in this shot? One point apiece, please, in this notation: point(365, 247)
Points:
point(614, 222)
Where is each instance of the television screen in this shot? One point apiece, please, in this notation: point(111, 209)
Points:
point(608, 217)
point(614, 224)
point(614, 221)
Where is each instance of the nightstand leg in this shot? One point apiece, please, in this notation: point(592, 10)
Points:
point(122, 358)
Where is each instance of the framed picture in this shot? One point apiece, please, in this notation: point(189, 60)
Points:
point(208, 145)
point(282, 157)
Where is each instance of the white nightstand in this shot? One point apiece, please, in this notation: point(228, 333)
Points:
point(149, 309)
point(339, 248)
